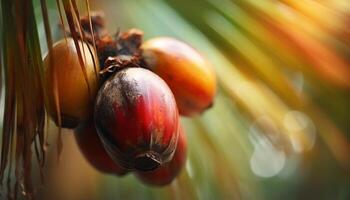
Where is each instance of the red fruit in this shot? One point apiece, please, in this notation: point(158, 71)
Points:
point(91, 147)
point(188, 74)
point(137, 119)
point(168, 172)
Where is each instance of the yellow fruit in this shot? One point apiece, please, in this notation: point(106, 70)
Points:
point(188, 74)
point(75, 93)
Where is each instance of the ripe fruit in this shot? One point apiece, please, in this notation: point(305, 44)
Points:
point(137, 119)
point(167, 173)
point(91, 147)
point(75, 99)
point(188, 74)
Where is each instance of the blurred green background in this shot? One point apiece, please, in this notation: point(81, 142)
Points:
point(279, 128)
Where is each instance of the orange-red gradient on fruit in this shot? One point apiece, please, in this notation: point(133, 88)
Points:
point(188, 74)
point(137, 119)
point(167, 173)
point(91, 147)
point(75, 99)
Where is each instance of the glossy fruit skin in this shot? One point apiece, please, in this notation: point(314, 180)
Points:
point(169, 171)
point(75, 100)
point(189, 76)
point(136, 117)
point(91, 147)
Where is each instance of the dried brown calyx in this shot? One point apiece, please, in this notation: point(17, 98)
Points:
point(98, 24)
point(114, 51)
point(120, 51)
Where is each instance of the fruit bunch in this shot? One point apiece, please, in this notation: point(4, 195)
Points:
point(124, 101)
